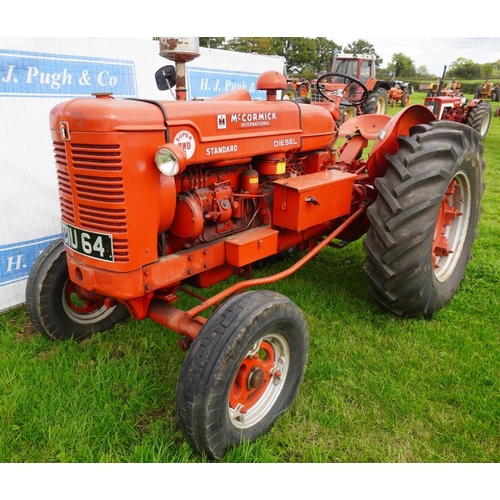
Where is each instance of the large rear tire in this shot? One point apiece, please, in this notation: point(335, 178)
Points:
point(377, 103)
point(480, 118)
point(242, 371)
point(54, 305)
point(424, 220)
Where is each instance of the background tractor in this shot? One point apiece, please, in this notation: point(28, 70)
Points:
point(399, 92)
point(452, 89)
point(362, 68)
point(476, 113)
point(488, 90)
point(296, 88)
point(162, 199)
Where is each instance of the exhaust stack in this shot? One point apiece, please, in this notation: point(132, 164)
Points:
point(180, 50)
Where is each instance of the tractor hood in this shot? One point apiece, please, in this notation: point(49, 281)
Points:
point(223, 128)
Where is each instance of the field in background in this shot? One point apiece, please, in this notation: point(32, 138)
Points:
point(378, 388)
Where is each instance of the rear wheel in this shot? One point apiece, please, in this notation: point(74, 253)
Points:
point(480, 118)
point(424, 220)
point(55, 305)
point(302, 90)
point(241, 372)
point(405, 100)
point(347, 113)
point(376, 104)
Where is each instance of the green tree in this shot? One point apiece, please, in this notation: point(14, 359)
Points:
point(212, 42)
point(299, 52)
point(465, 69)
point(401, 66)
point(487, 70)
point(423, 72)
point(324, 54)
point(260, 45)
point(363, 47)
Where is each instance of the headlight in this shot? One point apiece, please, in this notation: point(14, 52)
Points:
point(170, 160)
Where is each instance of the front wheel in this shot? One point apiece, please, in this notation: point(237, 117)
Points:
point(289, 94)
point(57, 307)
point(424, 220)
point(242, 371)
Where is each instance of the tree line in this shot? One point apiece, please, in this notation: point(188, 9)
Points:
point(307, 57)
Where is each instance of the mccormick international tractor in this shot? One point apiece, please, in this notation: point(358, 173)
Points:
point(455, 107)
point(165, 198)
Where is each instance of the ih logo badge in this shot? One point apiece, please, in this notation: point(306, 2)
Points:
point(221, 122)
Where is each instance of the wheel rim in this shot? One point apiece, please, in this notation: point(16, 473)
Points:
point(380, 107)
point(259, 381)
point(484, 124)
point(451, 226)
point(82, 310)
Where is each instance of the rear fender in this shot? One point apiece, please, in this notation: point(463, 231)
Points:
point(474, 103)
point(373, 84)
point(387, 138)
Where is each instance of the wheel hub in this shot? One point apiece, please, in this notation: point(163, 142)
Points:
point(256, 378)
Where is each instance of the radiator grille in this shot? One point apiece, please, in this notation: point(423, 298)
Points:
point(88, 182)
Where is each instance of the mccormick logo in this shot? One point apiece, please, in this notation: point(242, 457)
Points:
point(254, 119)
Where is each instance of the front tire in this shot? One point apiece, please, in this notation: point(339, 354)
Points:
point(289, 94)
point(53, 303)
point(242, 371)
point(424, 220)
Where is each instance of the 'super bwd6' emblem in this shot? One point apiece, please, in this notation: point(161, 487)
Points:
point(185, 140)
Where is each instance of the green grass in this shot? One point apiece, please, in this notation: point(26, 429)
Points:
point(378, 388)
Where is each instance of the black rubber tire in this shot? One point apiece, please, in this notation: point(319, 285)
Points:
point(405, 99)
point(411, 195)
point(377, 103)
point(220, 352)
point(290, 94)
point(480, 118)
point(47, 304)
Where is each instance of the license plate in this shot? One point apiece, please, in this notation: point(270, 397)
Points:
point(88, 243)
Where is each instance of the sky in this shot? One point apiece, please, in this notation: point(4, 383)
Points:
point(435, 52)
point(428, 37)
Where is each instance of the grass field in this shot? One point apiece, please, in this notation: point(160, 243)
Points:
point(378, 388)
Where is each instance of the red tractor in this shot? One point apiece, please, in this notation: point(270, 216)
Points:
point(296, 88)
point(455, 107)
point(164, 198)
point(362, 68)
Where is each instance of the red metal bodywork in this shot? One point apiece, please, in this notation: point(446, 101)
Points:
point(262, 177)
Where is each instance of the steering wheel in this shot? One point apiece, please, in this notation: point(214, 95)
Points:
point(345, 92)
